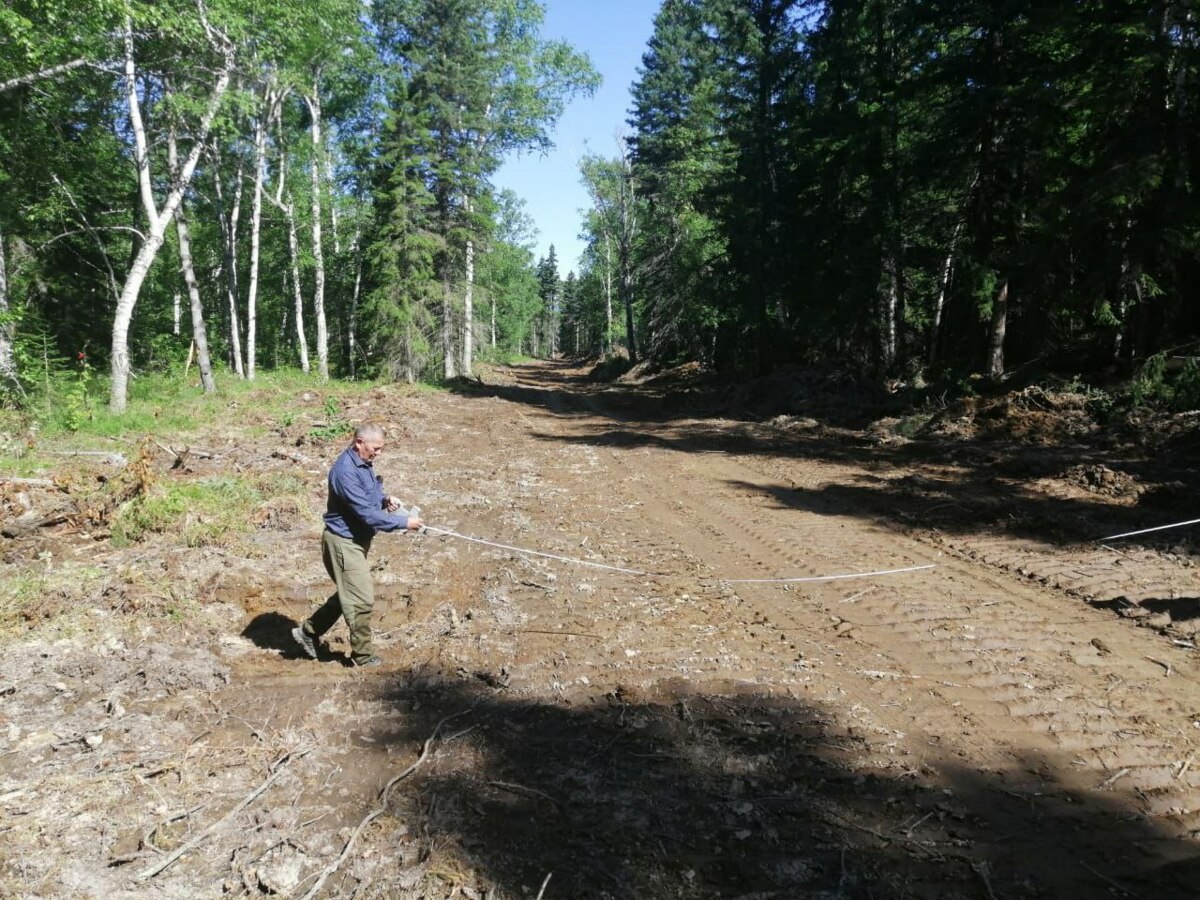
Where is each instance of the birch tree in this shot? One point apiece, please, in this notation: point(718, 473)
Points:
point(271, 96)
point(158, 217)
point(313, 100)
point(199, 332)
point(8, 361)
point(618, 209)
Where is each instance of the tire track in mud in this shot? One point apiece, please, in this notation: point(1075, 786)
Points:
point(1023, 656)
point(1011, 667)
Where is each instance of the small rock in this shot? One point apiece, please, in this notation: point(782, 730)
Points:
point(281, 876)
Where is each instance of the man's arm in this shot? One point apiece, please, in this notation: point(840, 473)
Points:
point(363, 506)
point(394, 503)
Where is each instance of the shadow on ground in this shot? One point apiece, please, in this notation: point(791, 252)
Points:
point(273, 631)
point(680, 794)
point(956, 487)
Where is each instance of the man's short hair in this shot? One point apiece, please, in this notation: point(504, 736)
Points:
point(368, 430)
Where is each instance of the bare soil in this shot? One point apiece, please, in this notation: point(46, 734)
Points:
point(999, 725)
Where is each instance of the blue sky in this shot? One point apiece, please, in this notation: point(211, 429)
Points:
point(614, 34)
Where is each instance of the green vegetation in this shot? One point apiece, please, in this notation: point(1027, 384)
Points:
point(1158, 383)
point(909, 188)
point(906, 187)
point(202, 512)
point(56, 594)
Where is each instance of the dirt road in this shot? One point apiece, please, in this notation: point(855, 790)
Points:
point(973, 729)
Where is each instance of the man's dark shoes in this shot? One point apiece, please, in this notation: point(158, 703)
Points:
point(370, 662)
point(307, 643)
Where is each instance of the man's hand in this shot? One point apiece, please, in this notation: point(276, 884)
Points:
point(415, 524)
point(393, 504)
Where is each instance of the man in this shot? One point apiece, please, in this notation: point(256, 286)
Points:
point(356, 510)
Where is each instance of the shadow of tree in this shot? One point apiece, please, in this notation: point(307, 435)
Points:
point(736, 792)
point(954, 486)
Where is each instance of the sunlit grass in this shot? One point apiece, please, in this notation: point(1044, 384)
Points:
point(55, 596)
point(213, 511)
point(74, 411)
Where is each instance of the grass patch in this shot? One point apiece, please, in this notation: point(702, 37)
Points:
point(910, 426)
point(57, 595)
point(209, 511)
point(166, 403)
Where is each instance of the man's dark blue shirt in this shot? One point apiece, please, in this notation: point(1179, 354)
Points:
point(357, 503)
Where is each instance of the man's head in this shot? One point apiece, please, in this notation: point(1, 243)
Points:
point(368, 441)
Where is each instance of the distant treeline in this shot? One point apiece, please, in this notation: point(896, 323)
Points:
point(907, 185)
point(268, 183)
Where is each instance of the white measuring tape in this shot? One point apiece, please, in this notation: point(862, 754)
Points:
point(1113, 537)
point(429, 529)
point(823, 577)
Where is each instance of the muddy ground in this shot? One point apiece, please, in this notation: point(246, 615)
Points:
point(1020, 720)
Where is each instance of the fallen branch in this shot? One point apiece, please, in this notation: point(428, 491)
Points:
point(148, 839)
point(1165, 665)
point(981, 869)
point(202, 836)
point(116, 459)
point(544, 883)
point(1112, 779)
point(379, 810)
point(33, 482)
point(551, 631)
point(523, 791)
point(1186, 765)
point(1110, 882)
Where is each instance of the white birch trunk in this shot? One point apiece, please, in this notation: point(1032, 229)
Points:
point(493, 320)
point(333, 207)
point(229, 225)
point(289, 210)
point(294, 253)
point(8, 360)
point(199, 332)
point(468, 345)
point(352, 325)
point(43, 73)
point(260, 169)
point(448, 368)
point(141, 154)
point(314, 106)
point(159, 219)
point(606, 344)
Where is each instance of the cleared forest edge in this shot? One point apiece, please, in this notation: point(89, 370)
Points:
point(973, 729)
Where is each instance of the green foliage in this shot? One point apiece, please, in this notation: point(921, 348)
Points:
point(864, 179)
point(1158, 383)
point(77, 399)
point(335, 425)
point(210, 511)
point(474, 81)
point(855, 179)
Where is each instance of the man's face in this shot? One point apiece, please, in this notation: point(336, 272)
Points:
point(368, 447)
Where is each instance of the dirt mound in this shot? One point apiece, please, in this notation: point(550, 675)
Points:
point(1032, 416)
point(282, 514)
point(1177, 433)
point(1100, 479)
point(829, 392)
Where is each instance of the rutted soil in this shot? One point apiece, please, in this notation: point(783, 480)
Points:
point(994, 726)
